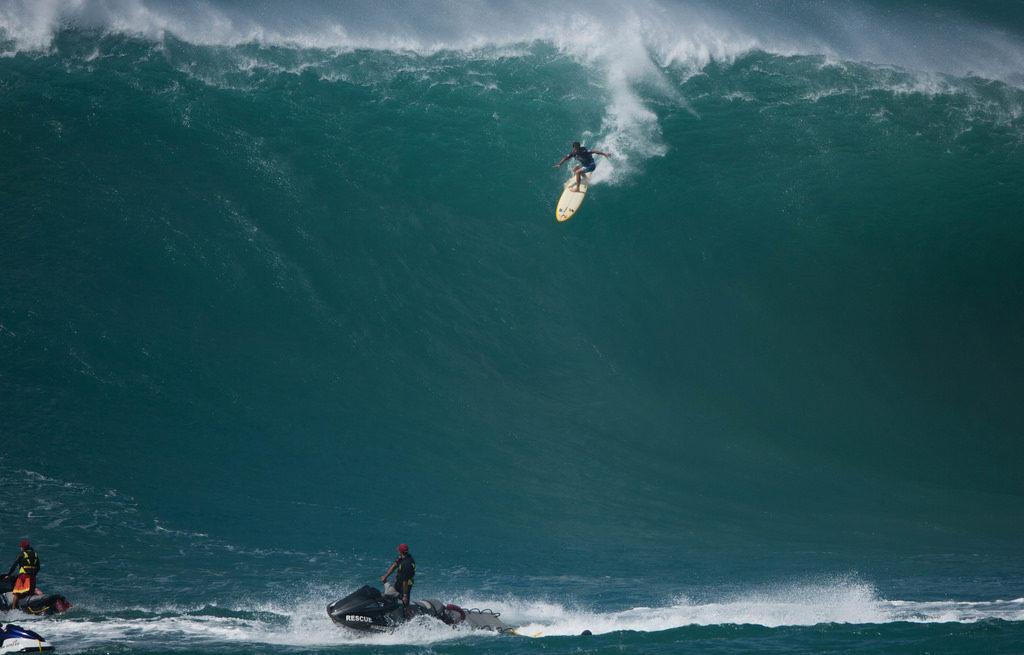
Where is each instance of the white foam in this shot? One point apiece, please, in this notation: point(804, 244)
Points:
point(689, 33)
point(627, 48)
point(842, 599)
point(839, 600)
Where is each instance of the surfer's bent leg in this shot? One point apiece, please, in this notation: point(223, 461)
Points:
point(579, 177)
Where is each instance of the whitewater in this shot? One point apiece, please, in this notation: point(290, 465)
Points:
point(281, 288)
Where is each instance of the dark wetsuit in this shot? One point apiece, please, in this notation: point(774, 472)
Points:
point(585, 158)
point(405, 571)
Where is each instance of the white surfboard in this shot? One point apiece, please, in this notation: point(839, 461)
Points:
point(571, 200)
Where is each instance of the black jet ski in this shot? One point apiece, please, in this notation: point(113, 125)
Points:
point(15, 639)
point(370, 610)
point(38, 604)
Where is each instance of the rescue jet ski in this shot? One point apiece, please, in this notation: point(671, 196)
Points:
point(15, 639)
point(370, 610)
point(38, 604)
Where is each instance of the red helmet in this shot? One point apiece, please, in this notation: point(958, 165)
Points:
point(402, 548)
point(25, 544)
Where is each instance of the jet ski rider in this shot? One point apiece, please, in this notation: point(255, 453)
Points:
point(404, 569)
point(27, 566)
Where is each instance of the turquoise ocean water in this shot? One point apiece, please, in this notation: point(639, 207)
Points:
point(281, 287)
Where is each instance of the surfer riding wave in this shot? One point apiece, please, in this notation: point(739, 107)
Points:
point(585, 157)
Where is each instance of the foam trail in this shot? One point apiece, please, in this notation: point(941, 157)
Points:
point(307, 625)
point(801, 604)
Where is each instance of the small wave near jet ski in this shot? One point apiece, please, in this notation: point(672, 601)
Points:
point(38, 603)
point(370, 610)
point(15, 639)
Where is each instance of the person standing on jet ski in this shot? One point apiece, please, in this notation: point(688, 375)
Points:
point(27, 566)
point(404, 569)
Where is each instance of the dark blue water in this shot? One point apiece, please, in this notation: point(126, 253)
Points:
point(283, 288)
